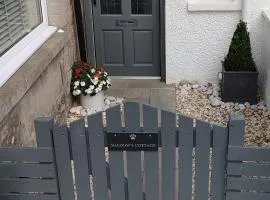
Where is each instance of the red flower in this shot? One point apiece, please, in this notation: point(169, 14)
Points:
point(89, 66)
point(101, 68)
point(97, 75)
point(78, 72)
point(79, 63)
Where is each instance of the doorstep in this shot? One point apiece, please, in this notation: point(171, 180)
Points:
point(151, 92)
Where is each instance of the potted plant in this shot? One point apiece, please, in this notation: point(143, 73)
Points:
point(239, 71)
point(88, 83)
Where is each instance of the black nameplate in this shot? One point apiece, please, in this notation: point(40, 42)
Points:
point(132, 141)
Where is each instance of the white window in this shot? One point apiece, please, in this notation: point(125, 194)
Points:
point(214, 5)
point(23, 29)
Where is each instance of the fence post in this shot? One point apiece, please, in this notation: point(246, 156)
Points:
point(43, 127)
point(44, 137)
point(236, 128)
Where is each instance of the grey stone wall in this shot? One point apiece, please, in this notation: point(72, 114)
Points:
point(41, 86)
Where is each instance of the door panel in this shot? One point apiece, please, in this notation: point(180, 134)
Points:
point(143, 55)
point(113, 39)
point(127, 36)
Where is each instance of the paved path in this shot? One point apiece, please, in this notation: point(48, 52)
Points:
point(147, 91)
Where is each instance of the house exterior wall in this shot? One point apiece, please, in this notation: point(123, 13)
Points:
point(266, 57)
point(41, 86)
point(196, 42)
point(258, 27)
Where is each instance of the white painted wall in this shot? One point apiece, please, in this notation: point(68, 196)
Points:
point(266, 56)
point(259, 28)
point(196, 42)
point(252, 14)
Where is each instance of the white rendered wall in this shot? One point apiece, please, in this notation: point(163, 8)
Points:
point(196, 42)
point(266, 57)
point(258, 28)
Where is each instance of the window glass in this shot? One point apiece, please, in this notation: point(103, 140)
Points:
point(17, 19)
point(112, 7)
point(141, 7)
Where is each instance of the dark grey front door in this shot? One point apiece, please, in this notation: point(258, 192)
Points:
point(127, 36)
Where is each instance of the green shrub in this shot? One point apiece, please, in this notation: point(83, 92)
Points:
point(239, 57)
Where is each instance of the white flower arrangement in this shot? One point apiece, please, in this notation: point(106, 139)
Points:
point(88, 80)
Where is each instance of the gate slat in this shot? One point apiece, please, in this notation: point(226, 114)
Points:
point(116, 158)
point(219, 154)
point(27, 170)
point(150, 123)
point(96, 142)
point(29, 197)
point(185, 157)
point(203, 133)
point(245, 183)
point(63, 162)
point(41, 154)
point(168, 135)
point(249, 169)
point(247, 196)
point(80, 158)
point(132, 124)
point(28, 185)
point(249, 154)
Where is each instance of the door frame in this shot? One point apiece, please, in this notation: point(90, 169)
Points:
point(88, 22)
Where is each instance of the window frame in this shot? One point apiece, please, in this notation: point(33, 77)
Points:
point(18, 54)
point(214, 5)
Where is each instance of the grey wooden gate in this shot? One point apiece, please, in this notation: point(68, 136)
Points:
point(248, 168)
point(189, 152)
point(195, 160)
point(37, 173)
point(127, 36)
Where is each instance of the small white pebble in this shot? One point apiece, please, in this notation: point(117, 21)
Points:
point(60, 31)
point(107, 102)
point(242, 106)
point(195, 86)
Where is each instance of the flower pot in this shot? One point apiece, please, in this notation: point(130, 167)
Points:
point(239, 86)
point(93, 102)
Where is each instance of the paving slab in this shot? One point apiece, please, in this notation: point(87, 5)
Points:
point(146, 91)
point(164, 98)
point(142, 94)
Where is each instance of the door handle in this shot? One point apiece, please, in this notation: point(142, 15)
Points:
point(130, 22)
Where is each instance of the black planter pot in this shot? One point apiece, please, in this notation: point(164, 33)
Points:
point(239, 86)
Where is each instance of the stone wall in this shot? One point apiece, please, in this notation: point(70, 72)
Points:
point(41, 86)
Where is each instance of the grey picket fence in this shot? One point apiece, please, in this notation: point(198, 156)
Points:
point(196, 160)
point(248, 173)
point(247, 167)
point(30, 173)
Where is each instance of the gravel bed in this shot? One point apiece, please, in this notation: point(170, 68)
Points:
point(203, 102)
